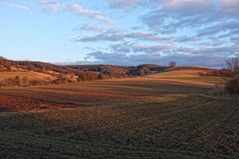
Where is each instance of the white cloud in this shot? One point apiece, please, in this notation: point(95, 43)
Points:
point(73, 7)
point(112, 34)
point(188, 31)
point(78, 9)
point(50, 6)
point(16, 6)
point(211, 60)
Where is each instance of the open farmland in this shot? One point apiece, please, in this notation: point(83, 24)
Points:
point(189, 75)
point(146, 117)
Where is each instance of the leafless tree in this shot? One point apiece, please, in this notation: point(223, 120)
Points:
point(172, 64)
point(233, 64)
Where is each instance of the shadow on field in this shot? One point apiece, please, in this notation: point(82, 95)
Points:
point(4, 109)
point(181, 128)
point(13, 103)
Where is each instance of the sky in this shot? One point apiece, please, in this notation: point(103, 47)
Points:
point(120, 32)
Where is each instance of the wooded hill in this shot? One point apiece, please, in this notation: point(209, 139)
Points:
point(13, 73)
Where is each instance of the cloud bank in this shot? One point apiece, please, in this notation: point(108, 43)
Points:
point(191, 32)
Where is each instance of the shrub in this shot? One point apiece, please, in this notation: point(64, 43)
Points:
point(100, 77)
point(10, 82)
point(232, 86)
point(82, 77)
point(114, 72)
point(37, 83)
point(88, 76)
point(17, 80)
point(61, 80)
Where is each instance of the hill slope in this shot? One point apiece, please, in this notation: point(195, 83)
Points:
point(192, 75)
point(13, 73)
point(45, 73)
point(117, 118)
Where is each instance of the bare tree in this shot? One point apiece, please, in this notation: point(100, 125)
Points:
point(172, 64)
point(231, 86)
point(233, 64)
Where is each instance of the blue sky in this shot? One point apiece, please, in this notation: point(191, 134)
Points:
point(121, 32)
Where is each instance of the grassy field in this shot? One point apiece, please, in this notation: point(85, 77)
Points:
point(144, 117)
point(29, 74)
point(188, 75)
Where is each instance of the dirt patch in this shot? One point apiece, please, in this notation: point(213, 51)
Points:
point(10, 103)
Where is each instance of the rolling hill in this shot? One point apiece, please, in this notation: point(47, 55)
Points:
point(142, 117)
point(41, 73)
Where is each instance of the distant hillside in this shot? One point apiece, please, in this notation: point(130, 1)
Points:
point(25, 73)
point(190, 75)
